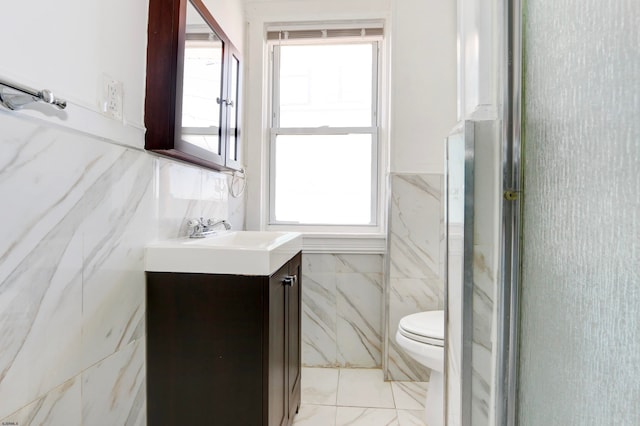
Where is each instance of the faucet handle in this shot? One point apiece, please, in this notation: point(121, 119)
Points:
point(214, 222)
point(194, 222)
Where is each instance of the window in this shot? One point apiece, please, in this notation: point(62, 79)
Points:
point(324, 141)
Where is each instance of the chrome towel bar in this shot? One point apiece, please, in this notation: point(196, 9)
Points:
point(26, 96)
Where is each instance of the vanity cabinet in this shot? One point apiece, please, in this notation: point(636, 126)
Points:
point(224, 349)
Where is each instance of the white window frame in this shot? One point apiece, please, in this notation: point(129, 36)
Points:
point(378, 213)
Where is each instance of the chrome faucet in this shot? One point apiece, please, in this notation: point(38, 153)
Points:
point(198, 228)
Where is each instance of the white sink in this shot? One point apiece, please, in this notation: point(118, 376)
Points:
point(227, 252)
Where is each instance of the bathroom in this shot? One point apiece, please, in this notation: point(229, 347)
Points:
point(83, 198)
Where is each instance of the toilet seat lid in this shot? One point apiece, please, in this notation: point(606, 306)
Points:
point(428, 324)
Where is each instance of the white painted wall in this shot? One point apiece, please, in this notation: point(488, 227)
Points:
point(479, 60)
point(423, 84)
point(230, 15)
point(421, 90)
point(66, 46)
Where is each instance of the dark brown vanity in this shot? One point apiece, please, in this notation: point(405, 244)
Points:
point(224, 349)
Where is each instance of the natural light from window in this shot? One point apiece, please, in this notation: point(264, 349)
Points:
point(324, 139)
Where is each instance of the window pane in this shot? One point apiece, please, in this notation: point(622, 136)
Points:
point(324, 179)
point(201, 87)
point(326, 85)
point(201, 84)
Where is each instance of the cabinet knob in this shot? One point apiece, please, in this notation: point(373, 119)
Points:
point(290, 280)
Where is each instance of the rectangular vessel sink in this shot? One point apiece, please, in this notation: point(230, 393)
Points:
point(227, 252)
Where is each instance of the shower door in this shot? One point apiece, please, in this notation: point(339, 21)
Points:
point(580, 298)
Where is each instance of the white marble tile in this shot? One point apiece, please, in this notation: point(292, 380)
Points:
point(78, 213)
point(57, 182)
point(415, 225)
point(484, 287)
point(315, 415)
point(215, 195)
point(319, 386)
point(454, 337)
point(361, 263)
point(42, 178)
point(411, 295)
point(408, 296)
point(402, 367)
point(40, 317)
point(411, 418)
point(415, 278)
point(364, 388)
point(409, 395)
point(113, 390)
point(319, 263)
point(358, 416)
point(454, 390)
point(178, 191)
point(113, 289)
point(359, 325)
point(319, 320)
point(237, 211)
point(480, 384)
point(60, 406)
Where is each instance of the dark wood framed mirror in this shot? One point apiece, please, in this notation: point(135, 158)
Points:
point(192, 109)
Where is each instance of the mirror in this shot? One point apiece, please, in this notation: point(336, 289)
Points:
point(201, 83)
point(459, 272)
point(193, 86)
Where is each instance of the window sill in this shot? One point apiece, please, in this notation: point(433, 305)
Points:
point(344, 243)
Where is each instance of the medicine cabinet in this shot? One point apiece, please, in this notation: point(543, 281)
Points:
point(192, 110)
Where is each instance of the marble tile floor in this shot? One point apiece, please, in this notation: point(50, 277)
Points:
point(358, 397)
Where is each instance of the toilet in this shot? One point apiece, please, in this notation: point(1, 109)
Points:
point(421, 336)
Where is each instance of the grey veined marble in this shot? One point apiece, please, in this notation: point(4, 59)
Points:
point(415, 281)
point(342, 310)
point(77, 212)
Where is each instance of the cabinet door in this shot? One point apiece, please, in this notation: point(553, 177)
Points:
point(277, 382)
point(294, 294)
point(205, 349)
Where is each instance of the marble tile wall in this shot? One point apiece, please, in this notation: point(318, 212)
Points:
point(416, 262)
point(77, 212)
point(342, 310)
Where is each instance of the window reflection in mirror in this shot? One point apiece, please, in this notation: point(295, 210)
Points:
point(233, 109)
point(202, 84)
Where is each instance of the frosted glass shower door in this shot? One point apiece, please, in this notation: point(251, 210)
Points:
point(580, 298)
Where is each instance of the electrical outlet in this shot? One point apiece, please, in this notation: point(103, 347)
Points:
point(111, 98)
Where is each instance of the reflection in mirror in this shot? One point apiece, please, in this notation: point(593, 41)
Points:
point(455, 268)
point(233, 110)
point(459, 272)
point(202, 84)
